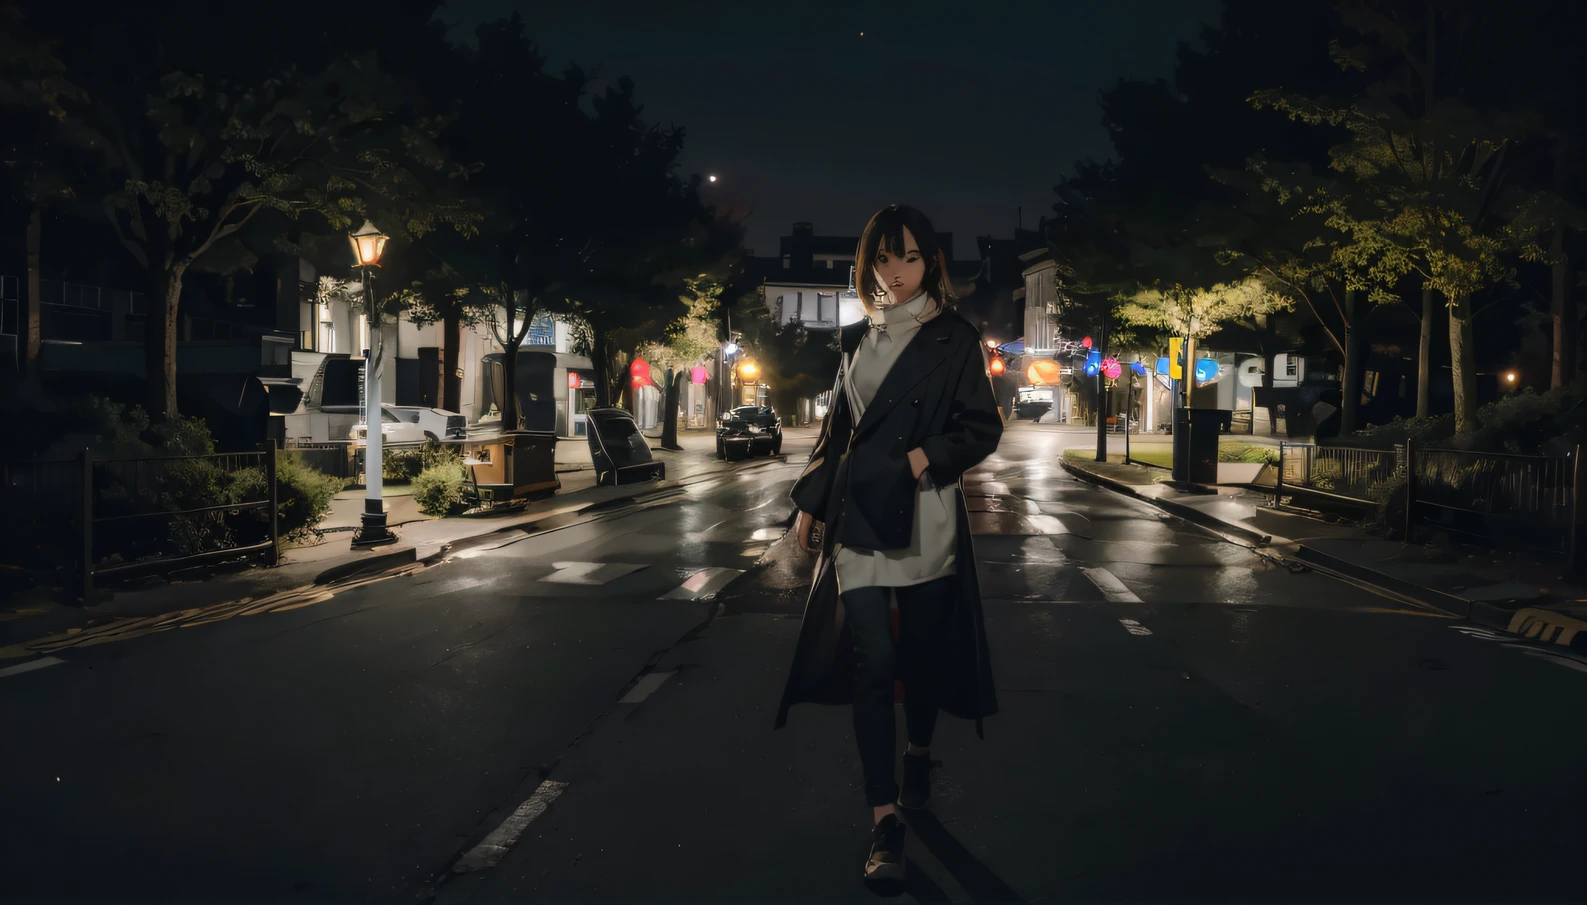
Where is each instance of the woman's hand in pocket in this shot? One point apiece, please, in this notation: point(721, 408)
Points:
point(918, 463)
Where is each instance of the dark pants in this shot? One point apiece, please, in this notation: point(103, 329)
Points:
point(922, 611)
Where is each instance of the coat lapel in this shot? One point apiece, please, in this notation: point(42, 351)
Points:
point(925, 353)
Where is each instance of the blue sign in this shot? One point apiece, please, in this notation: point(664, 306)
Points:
point(1163, 366)
point(1206, 370)
point(1093, 363)
point(1138, 368)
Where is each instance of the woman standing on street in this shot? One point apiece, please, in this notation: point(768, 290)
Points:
point(912, 410)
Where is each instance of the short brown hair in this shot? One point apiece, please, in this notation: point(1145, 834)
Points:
point(886, 231)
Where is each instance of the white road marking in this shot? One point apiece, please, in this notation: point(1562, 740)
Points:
point(703, 583)
point(646, 686)
point(1047, 524)
point(1551, 657)
point(491, 849)
point(1134, 628)
point(29, 666)
point(593, 573)
point(1110, 586)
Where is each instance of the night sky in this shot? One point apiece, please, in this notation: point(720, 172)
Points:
point(967, 110)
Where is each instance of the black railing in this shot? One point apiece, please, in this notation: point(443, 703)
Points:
point(1495, 498)
point(1354, 473)
point(94, 519)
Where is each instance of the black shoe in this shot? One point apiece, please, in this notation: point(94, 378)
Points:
point(917, 781)
point(886, 861)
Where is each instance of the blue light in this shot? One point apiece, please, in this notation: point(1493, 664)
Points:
point(1162, 366)
point(1093, 363)
point(1206, 370)
point(1138, 368)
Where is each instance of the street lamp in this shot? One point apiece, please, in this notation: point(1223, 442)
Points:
point(368, 244)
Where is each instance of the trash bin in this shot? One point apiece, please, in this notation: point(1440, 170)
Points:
point(1196, 444)
point(531, 460)
point(620, 452)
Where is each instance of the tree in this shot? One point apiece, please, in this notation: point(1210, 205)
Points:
point(1424, 169)
point(694, 338)
point(192, 165)
point(1197, 312)
point(797, 363)
point(36, 97)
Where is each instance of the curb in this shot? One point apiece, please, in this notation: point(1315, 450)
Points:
point(377, 562)
point(1179, 510)
point(1451, 605)
point(1448, 604)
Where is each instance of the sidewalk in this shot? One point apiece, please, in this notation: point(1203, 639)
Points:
point(334, 560)
point(1497, 589)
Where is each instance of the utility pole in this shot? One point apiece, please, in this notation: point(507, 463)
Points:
point(1102, 395)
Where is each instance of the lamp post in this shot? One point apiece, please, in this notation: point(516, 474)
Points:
point(368, 243)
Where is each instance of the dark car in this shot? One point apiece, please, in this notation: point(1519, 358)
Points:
point(749, 430)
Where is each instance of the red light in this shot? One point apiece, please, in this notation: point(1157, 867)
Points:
point(1086, 343)
point(998, 367)
point(573, 381)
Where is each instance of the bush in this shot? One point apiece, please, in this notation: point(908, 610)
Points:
point(400, 466)
point(303, 496)
point(1240, 452)
point(434, 453)
point(1437, 429)
point(438, 490)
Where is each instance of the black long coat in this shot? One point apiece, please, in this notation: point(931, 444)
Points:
point(938, 397)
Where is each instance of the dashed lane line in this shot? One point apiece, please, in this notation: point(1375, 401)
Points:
point(1112, 589)
point(494, 847)
point(1134, 628)
point(646, 686)
point(591, 573)
point(30, 666)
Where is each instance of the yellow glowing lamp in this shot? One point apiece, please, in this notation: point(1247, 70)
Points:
point(368, 243)
point(1045, 372)
point(748, 370)
point(998, 367)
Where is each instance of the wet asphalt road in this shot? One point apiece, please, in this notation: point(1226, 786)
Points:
point(1182, 721)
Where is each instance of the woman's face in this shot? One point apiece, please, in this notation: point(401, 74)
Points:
point(900, 275)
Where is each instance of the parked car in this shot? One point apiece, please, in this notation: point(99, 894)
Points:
point(747, 431)
point(437, 423)
point(392, 430)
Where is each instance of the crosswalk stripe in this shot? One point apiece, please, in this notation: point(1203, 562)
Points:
point(703, 583)
point(1110, 586)
point(1134, 628)
point(591, 573)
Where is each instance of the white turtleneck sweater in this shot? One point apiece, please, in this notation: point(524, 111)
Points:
point(934, 539)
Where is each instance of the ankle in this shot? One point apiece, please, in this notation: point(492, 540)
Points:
point(879, 813)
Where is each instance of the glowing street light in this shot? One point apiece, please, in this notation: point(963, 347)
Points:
point(713, 178)
point(368, 245)
point(748, 370)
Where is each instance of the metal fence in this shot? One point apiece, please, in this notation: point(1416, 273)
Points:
point(337, 458)
point(1365, 475)
point(345, 458)
point(91, 519)
point(1494, 498)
